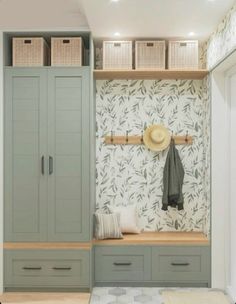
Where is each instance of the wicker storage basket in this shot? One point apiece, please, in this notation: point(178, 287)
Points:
point(29, 52)
point(66, 51)
point(183, 55)
point(150, 55)
point(117, 55)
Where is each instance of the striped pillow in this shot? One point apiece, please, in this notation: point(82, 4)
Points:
point(107, 226)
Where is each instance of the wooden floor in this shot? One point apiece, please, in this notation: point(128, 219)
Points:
point(47, 298)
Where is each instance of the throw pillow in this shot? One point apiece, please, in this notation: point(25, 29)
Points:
point(128, 218)
point(107, 226)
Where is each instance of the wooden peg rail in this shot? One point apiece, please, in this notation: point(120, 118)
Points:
point(137, 140)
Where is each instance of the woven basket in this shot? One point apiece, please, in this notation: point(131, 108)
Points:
point(66, 51)
point(29, 52)
point(117, 55)
point(150, 55)
point(183, 55)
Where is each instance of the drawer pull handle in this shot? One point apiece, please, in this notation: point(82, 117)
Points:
point(180, 264)
point(61, 268)
point(32, 268)
point(122, 264)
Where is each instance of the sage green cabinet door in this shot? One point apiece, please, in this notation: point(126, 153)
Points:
point(68, 154)
point(25, 145)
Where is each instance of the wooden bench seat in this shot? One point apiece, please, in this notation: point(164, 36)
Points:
point(156, 238)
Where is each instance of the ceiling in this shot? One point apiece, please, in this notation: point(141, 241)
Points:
point(131, 18)
point(155, 18)
point(42, 14)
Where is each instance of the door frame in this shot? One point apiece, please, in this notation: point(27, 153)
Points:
point(220, 86)
point(230, 289)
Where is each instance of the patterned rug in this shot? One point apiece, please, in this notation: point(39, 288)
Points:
point(130, 295)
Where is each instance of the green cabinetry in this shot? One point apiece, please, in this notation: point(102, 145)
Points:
point(149, 265)
point(47, 269)
point(47, 154)
point(122, 264)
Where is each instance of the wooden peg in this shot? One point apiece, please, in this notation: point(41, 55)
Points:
point(127, 136)
point(141, 139)
point(186, 137)
point(112, 139)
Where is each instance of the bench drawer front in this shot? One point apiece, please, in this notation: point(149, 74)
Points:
point(181, 263)
point(47, 268)
point(122, 264)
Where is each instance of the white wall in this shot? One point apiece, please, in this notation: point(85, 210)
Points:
point(232, 223)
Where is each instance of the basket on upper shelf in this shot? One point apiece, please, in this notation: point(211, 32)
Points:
point(66, 51)
point(29, 51)
point(117, 55)
point(150, 55)
point(183, 55)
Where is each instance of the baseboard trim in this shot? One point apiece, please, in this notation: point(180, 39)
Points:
point(231, 293)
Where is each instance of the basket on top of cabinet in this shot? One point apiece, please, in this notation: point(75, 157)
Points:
point(27, 51)
point(117, 55)
point(183, 55)
point(66, 51)
point(150, 55)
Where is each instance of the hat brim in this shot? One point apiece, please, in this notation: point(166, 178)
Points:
point(155, 146)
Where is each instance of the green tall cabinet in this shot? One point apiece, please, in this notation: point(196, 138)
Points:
point(47, 154)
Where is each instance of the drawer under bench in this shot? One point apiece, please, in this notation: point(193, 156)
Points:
point(47, 268)
point(157, 265)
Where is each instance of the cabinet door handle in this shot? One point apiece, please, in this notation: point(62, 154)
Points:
point(42, 165)
point(122, 264)
point(61, 268)
point(32, 268)
point(50, 165)
point(180, 264)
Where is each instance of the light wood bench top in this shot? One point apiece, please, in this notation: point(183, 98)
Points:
point(145, 238)
point(31, 245)
point(156, 238)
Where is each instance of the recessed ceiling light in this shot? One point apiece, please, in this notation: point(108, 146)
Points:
point(191, 34)
point(115, 0)
point(117, 34)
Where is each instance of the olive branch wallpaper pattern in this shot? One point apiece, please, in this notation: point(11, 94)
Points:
point(133, 174)
point(223, 41)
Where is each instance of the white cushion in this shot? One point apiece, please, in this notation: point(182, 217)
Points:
point(128, 218)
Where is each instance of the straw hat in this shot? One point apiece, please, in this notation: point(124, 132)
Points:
point(157, 138)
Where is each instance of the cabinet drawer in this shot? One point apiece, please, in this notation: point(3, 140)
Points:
point(47, 268)
point(175, 264)
point(122, 264)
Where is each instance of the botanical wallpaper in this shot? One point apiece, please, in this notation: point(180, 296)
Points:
point(223, 40)
point(133, 174)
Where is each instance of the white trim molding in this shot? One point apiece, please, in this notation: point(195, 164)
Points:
point(221, 174)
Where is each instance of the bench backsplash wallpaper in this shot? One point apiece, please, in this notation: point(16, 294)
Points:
point(133, 174)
